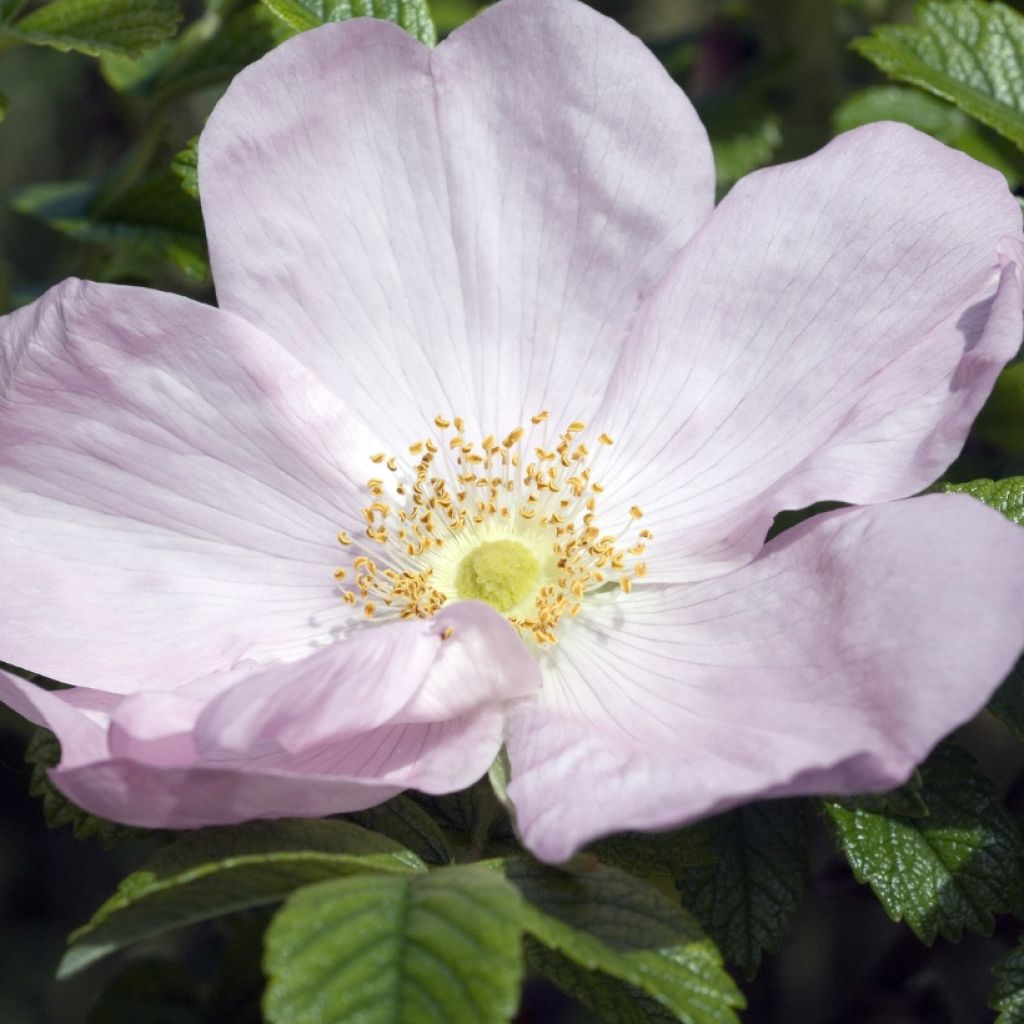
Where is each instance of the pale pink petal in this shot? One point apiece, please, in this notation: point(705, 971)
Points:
point(415, 703)
point(829, 334)
point(83, 741)
point(416, 671)
point(171, 485)
point(334, 778)
point(467, 230)
point(831, 663)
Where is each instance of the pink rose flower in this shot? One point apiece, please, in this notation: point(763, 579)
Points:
point(478, 314)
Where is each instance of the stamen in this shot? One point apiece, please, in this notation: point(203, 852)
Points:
point(485, 523)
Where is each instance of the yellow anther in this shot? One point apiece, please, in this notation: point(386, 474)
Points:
point(548, 508)
point(636, 512)
point(344, 538)
point(447, 633)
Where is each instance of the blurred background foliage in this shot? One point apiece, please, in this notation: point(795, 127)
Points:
point(101, 100)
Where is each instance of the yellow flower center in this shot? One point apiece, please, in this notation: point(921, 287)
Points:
point(500, 572)
point(510, 522)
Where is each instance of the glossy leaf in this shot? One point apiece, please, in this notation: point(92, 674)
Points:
point(95, 27)
point(945, 872)
point(216, 871)
point(412, 15)
point(437, 948)
point(970, 52)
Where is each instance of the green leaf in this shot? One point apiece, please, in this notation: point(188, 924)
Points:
point(152, 219)
point(412, 15)
point(186, 166)
point(1008, 992)
point(43, 753)
point(95, 27)
point(151, 990)
point(437, 948)
point(746, 898)
point(220, 870)
point(404, 821)
point(1006, 496)
point(948, 871)
point(621, 946)
point(937, 118)
point(969, 52)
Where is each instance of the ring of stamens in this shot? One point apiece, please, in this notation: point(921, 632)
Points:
point(423, 523)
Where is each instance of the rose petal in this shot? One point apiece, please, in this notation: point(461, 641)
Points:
point(830, 334)
point(462, 231)
point(406, 704)
point(417, 671)
point(832, 663)
point(171, 483)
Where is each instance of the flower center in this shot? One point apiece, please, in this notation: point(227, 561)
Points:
point(510, 522)
point(500, 572)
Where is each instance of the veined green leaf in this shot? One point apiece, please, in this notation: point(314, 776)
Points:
point(437, 948)
point(95, 27)
point(1008, 992)
point(746, 897)
point(621, 946)
point(412, 15)
point(945, 872)
point(216, 871)
point(970, 52)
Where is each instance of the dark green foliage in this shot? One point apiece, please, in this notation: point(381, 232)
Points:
point(746, 896)
point(944, 872)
